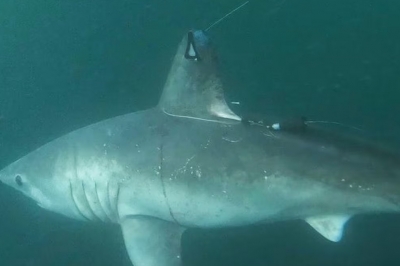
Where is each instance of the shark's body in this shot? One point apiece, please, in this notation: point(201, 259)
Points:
point(192, 162)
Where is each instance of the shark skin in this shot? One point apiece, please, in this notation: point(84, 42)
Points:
point(191, 162)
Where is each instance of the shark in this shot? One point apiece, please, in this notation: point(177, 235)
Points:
point(191, 162)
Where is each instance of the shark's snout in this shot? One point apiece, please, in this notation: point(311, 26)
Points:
point(8, 178)
point(15, 176)
point(1, 177)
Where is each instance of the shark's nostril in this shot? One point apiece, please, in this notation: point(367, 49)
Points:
point(18, 180)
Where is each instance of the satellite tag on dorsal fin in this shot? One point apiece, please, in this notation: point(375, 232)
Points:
point(193, 88)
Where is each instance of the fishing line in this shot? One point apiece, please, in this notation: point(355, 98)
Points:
point(230, 13)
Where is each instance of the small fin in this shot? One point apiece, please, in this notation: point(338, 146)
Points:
point(152, 242)
point(329, 226)
point(193, 88)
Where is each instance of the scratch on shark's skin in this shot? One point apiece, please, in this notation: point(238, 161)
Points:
point(163, 184)
point(232, 140)
point(207, 144)
point(184, 168)
point(105, 148)
point(194, 170)
point(269, 134)
point(261, 123)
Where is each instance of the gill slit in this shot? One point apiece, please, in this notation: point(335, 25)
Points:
point(88, 203)
point(109, 199)
point(106, 215)
point(83, 187)
point(117, 200)
point(163, 185)
point(113, 202)
point(73, 199)
point(72, 190)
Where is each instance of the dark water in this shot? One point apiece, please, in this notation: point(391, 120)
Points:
point(66, 64)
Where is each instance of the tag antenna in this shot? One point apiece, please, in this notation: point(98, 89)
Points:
point(230, 13)
point(334, 123)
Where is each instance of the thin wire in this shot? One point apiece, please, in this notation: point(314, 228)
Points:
point(203, 119)
point(230, 13)
point(334, 123)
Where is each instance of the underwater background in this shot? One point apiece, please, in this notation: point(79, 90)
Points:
point(67, 64)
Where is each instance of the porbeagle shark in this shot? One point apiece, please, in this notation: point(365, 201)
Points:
point(191, 162)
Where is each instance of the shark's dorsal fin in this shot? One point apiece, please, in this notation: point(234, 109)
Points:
point(193, 88)
point(329, 226)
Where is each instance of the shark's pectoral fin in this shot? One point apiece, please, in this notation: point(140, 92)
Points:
point(329, 226)
point(152, 242)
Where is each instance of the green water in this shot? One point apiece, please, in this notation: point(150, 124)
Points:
point(66, 64)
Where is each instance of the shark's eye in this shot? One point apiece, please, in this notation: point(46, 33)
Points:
point(18, 180)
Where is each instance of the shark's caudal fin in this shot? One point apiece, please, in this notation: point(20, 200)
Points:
point(193, 88)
